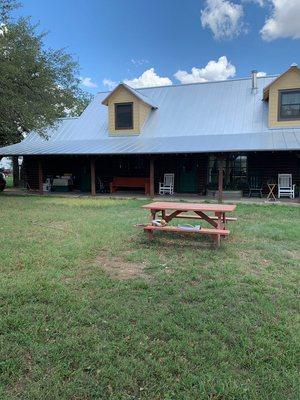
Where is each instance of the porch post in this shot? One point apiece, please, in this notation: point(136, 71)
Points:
point(220, 183)
point(93, 177)
point(16, 181)
point(40, 168)
point(151, 176)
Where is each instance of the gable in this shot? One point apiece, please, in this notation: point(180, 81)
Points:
point(287, 81)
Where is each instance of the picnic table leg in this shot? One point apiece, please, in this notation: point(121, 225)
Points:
point(217, 240)
point(221, 220)
point(152, 217)
point(221, 224)
point(150, 235)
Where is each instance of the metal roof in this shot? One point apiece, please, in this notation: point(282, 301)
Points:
point(203, 117)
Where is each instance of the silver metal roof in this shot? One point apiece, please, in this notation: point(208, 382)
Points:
point(205, 117)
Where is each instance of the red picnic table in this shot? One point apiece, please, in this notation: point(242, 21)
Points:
point(214, 214)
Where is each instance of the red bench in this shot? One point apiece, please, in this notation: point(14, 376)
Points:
point(125, 182)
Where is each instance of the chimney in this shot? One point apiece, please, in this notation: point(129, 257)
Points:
point(254, 80)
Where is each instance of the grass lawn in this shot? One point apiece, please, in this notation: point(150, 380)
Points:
point(91, 310)
point(9, 181)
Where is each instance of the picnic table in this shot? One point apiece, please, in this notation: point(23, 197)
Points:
point(214, 214)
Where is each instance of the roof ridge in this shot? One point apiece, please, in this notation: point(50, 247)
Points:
point(195, 83)
point(207, 82)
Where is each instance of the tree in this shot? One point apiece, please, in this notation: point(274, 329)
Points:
point(37, 85)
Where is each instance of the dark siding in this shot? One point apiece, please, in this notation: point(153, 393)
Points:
point(31, 174)
point(265, 164)
point(269, 165)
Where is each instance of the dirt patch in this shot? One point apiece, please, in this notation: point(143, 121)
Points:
point(120, 268)
point(294, 255)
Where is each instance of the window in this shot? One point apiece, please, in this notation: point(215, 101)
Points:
point(124, 116)
point(289, 105)
point(235, 172)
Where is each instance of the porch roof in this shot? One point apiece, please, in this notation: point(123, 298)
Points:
point(274, 141)
point(204, 117)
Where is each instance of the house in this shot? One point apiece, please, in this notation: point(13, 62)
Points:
point(209, 135)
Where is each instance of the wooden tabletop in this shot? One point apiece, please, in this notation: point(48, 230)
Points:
point(170, 205)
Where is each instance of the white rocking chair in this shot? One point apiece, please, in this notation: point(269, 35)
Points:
point(285, 186)
point(167, 186)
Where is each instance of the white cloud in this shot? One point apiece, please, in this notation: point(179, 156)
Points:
point(214, 71)
point(139, 62)
point(223, 17)
point(109, 83)
point(87, 81)
point(148, 78)
point(284, 21)
point(261, 74)
point(261, 3)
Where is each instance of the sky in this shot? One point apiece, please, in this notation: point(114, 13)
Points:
point(163, 42)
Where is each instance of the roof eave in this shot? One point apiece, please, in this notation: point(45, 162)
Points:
point(132, 91)
point(267, 88)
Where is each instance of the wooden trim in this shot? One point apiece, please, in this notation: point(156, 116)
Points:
point(117, 128)
point(40, 171)
point(93, 177)
point(279, 117)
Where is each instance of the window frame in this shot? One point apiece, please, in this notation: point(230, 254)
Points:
point(117, 128)
point(280, 93)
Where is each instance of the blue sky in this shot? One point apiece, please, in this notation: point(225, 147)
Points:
point(121, 39)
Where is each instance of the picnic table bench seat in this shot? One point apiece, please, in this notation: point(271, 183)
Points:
point(213, 217)
point(204, 231)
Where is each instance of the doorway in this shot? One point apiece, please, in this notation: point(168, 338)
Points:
point(188, 176)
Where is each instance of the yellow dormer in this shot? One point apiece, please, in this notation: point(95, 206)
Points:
point(128, 110)
point(283, 95)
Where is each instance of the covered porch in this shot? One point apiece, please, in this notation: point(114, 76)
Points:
point(216, 175)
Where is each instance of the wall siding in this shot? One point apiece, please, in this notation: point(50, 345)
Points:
point(265, 164)
point(140, 112)
point(291, 80)
point(269, 165)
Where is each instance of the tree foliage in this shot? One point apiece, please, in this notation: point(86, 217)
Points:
point(37, 85)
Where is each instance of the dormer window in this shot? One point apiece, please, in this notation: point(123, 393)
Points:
point(289, 105)
point(123, 116)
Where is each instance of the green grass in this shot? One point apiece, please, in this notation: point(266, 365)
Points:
point(9, 181)
point(194, 323)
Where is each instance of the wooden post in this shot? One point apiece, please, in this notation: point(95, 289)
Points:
point(16, 180)
point(151, 176)
point(93, 177)
point(40, 168)
point(220, 185)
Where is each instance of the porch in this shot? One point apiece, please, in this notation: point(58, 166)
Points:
point(208, 176)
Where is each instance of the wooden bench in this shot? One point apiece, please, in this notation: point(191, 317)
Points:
point(130, 182)
point(215, 233)
point(213, 217)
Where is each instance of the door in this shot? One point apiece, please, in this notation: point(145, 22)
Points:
point(188, 176)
